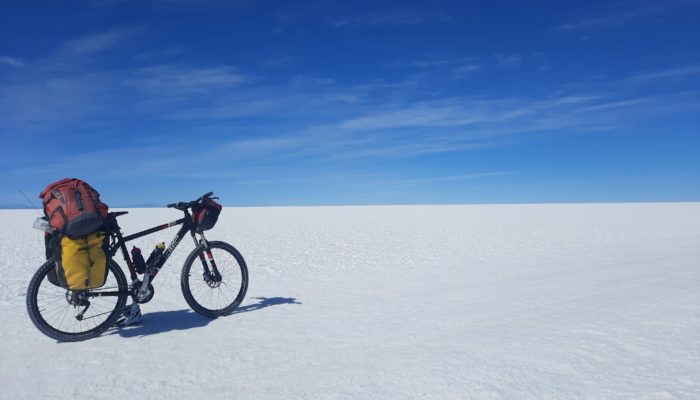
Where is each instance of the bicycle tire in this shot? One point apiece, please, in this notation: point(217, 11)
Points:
point(194, 286)
point(56, 332)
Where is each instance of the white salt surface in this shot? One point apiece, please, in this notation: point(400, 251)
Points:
point(436, 302)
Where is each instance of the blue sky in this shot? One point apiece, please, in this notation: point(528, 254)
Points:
point(330, 102)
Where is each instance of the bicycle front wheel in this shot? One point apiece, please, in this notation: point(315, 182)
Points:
point(214, 292)
point(71, 316)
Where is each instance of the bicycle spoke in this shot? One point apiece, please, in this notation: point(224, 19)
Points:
point(55, 315)
point(216, 296)
point(96, 315)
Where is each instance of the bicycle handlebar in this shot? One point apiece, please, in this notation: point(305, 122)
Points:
point(205, 196)
point(187, 204)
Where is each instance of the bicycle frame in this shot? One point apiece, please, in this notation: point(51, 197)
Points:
point(119, 243)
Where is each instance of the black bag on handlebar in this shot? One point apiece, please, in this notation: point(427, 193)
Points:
point(206, 215)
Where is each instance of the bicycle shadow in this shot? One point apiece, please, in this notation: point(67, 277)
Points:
point(266, 302)
point(163, 321)
point(166, 321)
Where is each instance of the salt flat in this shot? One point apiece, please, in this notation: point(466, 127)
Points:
point(579, 301)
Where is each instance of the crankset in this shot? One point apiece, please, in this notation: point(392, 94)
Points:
point(135, 293)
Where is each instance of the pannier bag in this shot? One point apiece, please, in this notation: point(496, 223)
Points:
point(73, 207)
point(52, 242)
point(81, 262)
point(205, 217)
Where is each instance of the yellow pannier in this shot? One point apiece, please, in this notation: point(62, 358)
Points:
point(83, 261)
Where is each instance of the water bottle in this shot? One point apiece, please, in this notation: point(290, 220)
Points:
point(139, 262)
point(156, 259)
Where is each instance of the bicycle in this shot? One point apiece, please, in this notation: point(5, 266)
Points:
point(214, 288)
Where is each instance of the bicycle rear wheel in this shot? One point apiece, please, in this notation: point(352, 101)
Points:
point(214, 296)
point(71, 316)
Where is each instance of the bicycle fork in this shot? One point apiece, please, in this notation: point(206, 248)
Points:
point(211, 272)
point(211, 275)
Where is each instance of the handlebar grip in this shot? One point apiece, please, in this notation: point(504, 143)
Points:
point(188, 204)
point(204, 196)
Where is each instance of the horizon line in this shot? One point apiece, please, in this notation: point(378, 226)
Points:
point(2, 207)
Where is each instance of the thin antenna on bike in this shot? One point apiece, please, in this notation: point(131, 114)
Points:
point(30, 202)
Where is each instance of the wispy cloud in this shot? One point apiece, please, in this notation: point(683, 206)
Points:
point(308, 118)
point(418, 115)
point(167, 52)
point(164, 3)
point(508, 60)
point(671, 73)
point(96, 42)
point(481, 113)
point(38, 101)
point(306, 81)
point(433, 61)
point(395, 16)
point(279, 62)
point(271, 102)
point(620, 13)
point(430, 63)
point(459, 67)
point(11, 61)
point(612, 19)
point(342, 16)
point(467, 69)
point(453, 125)
point(438, 67)
point(182, 78)
point(361, 128)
